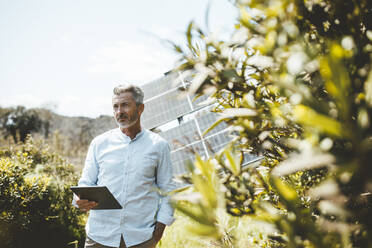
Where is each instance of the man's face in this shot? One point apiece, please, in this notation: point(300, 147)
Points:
point(126, 111)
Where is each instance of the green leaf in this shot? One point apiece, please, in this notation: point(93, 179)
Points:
point(213, 126)
point(206, 188)
point(303, 161)
point(234, 164)
point(195, 213)
point(204, 230)
point(189, 37)
point(245, 18)
point(310, 118)
point(238, 112)
point(368, 88)
point(204, 167)
point(337, 79)
point(284, 190)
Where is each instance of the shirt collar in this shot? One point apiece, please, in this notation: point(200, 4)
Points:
point(138, 135)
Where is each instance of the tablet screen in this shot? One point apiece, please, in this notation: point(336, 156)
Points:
point(99, 194)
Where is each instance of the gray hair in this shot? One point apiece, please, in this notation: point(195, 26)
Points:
point(135, 90)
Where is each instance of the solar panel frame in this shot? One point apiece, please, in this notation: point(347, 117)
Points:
point(182, 135)
point(165, 108)
point(179, 157)
point(160, 85)
point(163, 105)
point(206, 119)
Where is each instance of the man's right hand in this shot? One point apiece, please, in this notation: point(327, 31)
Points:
point(85, 205)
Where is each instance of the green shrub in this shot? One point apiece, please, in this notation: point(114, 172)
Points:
point(294, 82)
point(35, 203)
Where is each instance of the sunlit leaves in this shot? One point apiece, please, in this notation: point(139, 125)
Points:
point(304, 161)
point(201, 209)
point(298, 91)
point(337, 81)
point(35, 197)
point(197, 213)
point(368, 89)
point(285, 191)
point(308, 117)
point(233, 162)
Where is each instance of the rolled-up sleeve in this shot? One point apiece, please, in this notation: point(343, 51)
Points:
point(90, 171)
point(166, 184)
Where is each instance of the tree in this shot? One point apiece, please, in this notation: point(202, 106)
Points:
point(295, 82)
point(20, 122)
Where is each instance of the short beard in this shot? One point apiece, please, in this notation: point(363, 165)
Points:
point(131, 122)
point(127, 125)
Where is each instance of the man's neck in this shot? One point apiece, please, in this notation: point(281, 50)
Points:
point(132, 131)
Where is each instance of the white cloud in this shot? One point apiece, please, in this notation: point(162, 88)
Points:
point(114, 62)
point(28, 100)
point(134, 62)
point(84, 106)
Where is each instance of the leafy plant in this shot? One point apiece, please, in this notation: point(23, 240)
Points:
point(35, 203)
point(295, 83)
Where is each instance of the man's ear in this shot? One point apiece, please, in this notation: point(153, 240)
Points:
point(140, 108)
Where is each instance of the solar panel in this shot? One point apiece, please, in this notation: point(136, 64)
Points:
point(199, 102)
point(160, 86)
point(163, 105)
point(182, 135)
point(217, 141)
point(165, 108)
point(179, 157)
point(206, 119)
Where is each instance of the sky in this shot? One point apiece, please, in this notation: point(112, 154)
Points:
point(67, 55)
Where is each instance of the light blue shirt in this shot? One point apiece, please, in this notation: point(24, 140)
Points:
point(134, 171)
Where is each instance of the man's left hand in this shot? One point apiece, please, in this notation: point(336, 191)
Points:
point(158, 231)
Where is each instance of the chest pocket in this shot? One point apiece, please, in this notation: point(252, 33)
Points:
point(146, 167)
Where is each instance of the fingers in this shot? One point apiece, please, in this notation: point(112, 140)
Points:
point(86, 205)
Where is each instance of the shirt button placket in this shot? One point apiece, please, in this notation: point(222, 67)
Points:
point(126, 177)
point(125, 185)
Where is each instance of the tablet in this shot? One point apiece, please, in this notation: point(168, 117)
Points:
point(99, 194)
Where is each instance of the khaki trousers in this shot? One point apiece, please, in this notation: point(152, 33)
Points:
point(90, 243)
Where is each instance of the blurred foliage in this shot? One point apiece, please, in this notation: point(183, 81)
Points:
point(19, 122)
point(35, 203)
point(294, 81)
point(249, 232)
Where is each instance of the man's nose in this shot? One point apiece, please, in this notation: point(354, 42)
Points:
point(120, 109)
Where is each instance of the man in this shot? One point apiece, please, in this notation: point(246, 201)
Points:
point(134, 164)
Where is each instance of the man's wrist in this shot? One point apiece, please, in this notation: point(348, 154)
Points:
point(158, 231)
point(159, 226)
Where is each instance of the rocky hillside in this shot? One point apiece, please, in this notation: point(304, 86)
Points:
point(81, 130)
